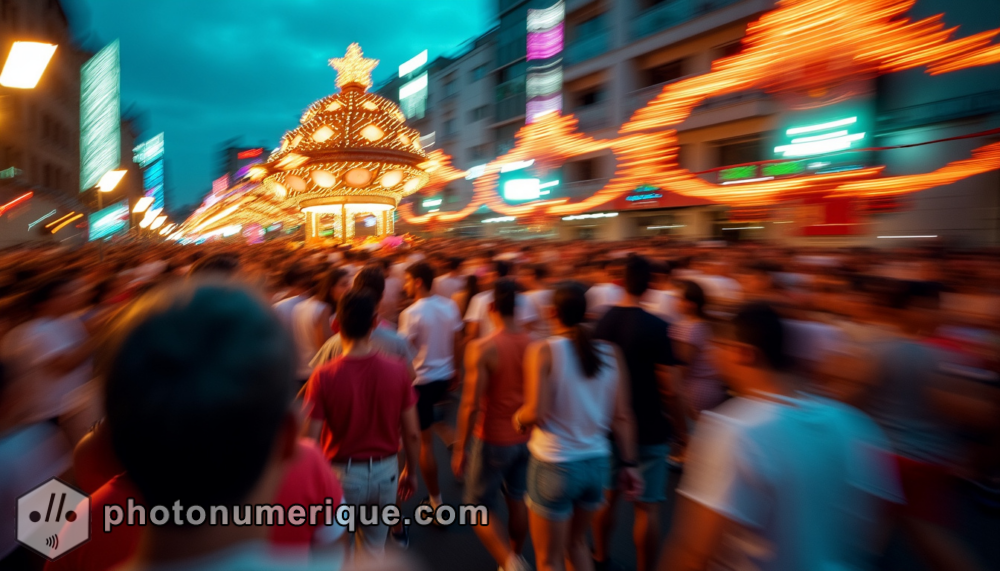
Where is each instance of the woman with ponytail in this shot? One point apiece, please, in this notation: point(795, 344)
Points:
point(576, 394)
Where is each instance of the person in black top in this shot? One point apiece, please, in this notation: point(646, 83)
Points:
point(645, 343)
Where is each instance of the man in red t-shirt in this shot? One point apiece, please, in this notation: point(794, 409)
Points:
point(358, 405)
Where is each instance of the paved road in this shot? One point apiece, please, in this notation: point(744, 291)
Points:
point(458, 548)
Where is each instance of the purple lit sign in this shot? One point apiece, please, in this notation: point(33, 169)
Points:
point(543, 45)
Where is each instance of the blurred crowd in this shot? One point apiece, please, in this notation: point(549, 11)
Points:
point(817, 401)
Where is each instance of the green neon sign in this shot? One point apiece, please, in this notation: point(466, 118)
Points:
point(737, 173)
point(784, 169)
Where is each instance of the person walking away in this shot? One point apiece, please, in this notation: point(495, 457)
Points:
point(498, 459)
point(477, 316)
point(776, 480)
point(384, 340)
point(310, 319)
point(538, 292)
point(451, 282)
point(576, 393)
point(701, 387)
point(360, 405)
point(433, 328)
point(657, 406)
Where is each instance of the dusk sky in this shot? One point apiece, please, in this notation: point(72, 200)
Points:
point(207, 71)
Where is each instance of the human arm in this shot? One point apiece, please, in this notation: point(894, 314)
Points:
point(410, 429)
point(624, 431)
point(476, 378)
point(537, 393)
point(693, 538)
point(673, 402)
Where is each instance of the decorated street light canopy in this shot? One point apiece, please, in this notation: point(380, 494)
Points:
point(348, 163)
point(352, 156)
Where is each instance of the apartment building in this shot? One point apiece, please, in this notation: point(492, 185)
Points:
point(619, 54)
point(39, 141)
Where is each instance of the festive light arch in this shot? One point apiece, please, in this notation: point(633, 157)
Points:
point(808, 46)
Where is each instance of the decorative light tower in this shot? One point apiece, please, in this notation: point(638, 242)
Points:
point(352, 156)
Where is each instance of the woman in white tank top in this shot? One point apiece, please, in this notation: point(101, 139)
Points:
point(575, 395)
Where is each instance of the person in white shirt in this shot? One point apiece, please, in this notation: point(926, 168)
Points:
point(310, 318)
point(297, 281)
point(393, 295)
point(477, 316)
point(433, 328)
point(777, 480)
point(451, 282)
point(534, 278)
point(604, 292)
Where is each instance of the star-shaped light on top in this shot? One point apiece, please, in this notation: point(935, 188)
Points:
point(354, 68)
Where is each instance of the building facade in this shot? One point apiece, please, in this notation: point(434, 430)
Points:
point(40, 138)
point(619, 54)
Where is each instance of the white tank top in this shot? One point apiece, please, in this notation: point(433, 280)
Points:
point(579, 418)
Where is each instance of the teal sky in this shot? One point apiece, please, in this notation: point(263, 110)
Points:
point(208, 71)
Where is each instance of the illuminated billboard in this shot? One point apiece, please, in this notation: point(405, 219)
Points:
point(545, 46)
point(109, 222)
point(100, 116)
point(245, 160)
point(413, 97)
point(146, 153)
point(149, 156)
point(413, 64)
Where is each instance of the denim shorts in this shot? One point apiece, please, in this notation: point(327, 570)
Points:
point(652, 467)
point(555, 490)
point(371, 484)
point(493, 468)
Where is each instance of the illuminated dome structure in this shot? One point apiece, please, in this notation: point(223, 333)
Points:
point(351, 160)
point(351, 157)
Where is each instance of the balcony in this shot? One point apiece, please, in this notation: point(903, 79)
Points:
point(580, 189)
point(593, 117)
point(587, 48)
point(674, 13)
point(642, 97)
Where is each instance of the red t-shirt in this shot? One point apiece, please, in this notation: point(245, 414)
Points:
point(308, 480)
point(361, 401)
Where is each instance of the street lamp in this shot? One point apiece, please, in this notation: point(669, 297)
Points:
point(142, 204)
point(26, 64)
point(158, 222)
point(110, 180)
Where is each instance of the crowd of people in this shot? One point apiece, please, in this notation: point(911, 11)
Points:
point(815, 401)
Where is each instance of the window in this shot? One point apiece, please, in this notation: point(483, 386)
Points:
point(670, 71)
point(730, 49)
point(449, 127)
point(592, 96)
point(479, 113)
point(450, 87)
point(480, 151)
point(478, 73)
point(588, 28)
point(740, 151)
point(582, 170)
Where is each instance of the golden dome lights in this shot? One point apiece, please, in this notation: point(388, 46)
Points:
point(351, 155)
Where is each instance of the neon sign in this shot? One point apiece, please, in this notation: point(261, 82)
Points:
point(249, 154)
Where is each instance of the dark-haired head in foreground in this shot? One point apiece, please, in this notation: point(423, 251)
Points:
point(199, 389)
